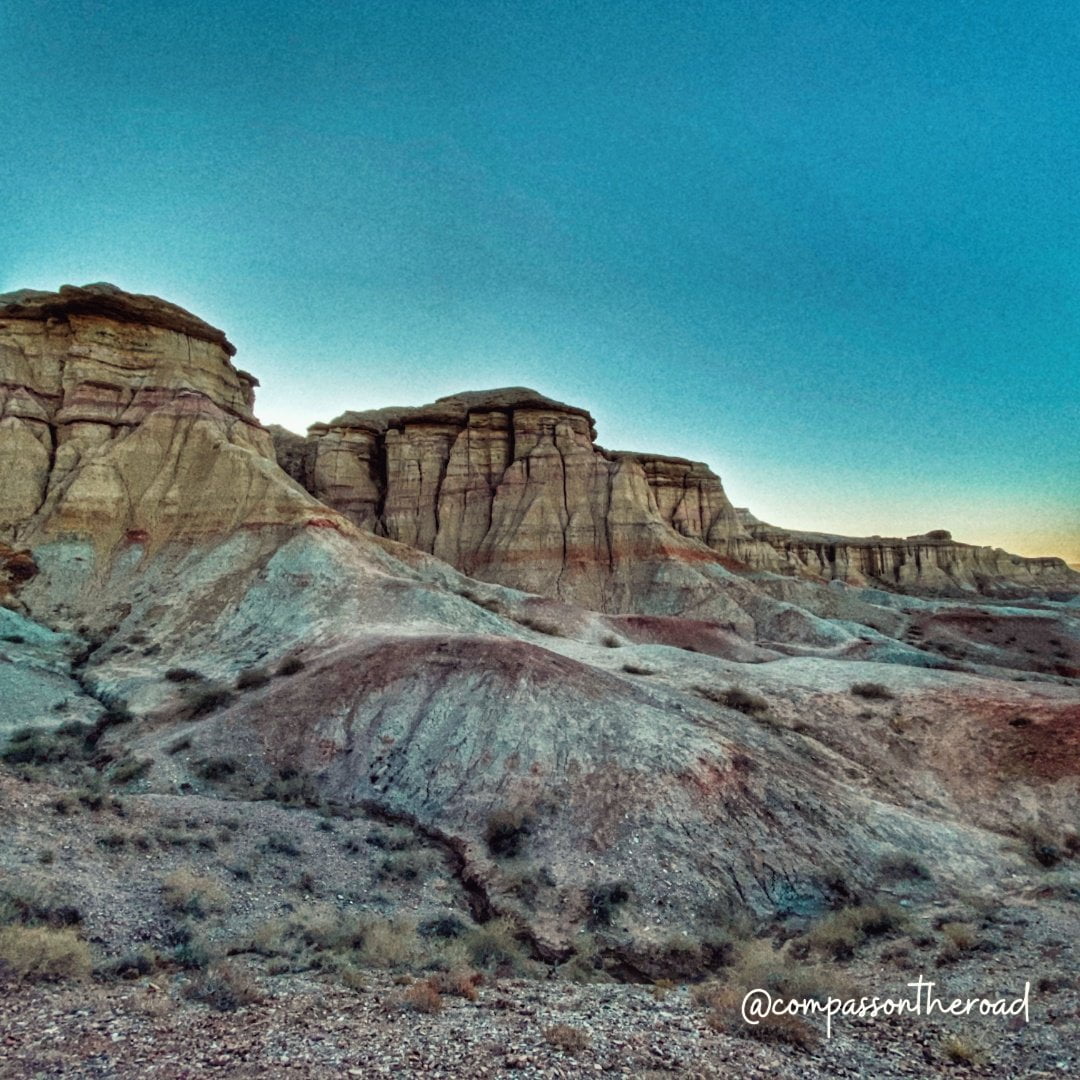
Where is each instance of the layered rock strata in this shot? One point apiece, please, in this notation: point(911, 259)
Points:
point(511, 487)
point(122, 417)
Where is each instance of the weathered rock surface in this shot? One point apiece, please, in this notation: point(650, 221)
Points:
point(510, 486)
point(123, 419)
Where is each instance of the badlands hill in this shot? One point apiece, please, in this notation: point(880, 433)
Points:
point(609, 706)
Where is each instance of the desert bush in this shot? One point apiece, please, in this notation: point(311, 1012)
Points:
point(292, 789)
point(735, 697)
point(208, 699)
point(406, 866)
point(605, 900)
point(388, 943)
point(215, 768)
point(637, 669)
point(251, 678)
point(422, 997)
point(397, 838)
point(610, 641)
point(44, 953)
point(30, 903)
point(724, 1016)
point(184, 675)
point(872, 691)
point(129, 769)
point(567, 1038)
point(445, 927)
point(132, 965)
point(494, 945)
point(291, 665)
point(507, 831)
point(900, 866)
point(187, 893)
point(840, 933)
point(279, 843)
point(541, 626)
point(459, 982)
point(960, 935)
point(1042, 846)
point(758, 964)
point(962, 1051)
point(224, 987)
point(38, 746)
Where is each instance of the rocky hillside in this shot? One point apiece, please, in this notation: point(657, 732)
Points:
point(570, 693)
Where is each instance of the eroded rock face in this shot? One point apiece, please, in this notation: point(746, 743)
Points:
point(510, 486)
point(931, 563)
point(122, 417)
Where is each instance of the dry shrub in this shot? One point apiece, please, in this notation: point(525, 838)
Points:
point(961, 935)
point(961, 1051)
point(422, 997)
point(224, 987)
point(251, 678)
point(495, 945)
point(187, 893)
point(872, 691)
point(507, 831)
point(725, 1015)
point(388, 943)
point(43, 953)
point(460, 982)
point(565, 1037)
point(838, 935)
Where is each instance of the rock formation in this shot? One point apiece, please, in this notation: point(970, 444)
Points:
point(510, 487)
point(123, 419)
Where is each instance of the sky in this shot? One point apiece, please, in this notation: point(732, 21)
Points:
point(831, 247)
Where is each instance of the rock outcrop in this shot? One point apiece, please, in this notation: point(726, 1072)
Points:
point(930, 563)
point(511, 487)
point(123, 419)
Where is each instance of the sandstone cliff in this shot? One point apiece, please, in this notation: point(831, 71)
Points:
point(511, 487)
point(123, 419)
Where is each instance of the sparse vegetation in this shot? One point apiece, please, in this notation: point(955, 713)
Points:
point(872, 691)
point(422, 997)
point(962, 1051)
point(839, 934)
point(637, 669)
point(291, 665)
point(567, 1038)
point(224, 987)
point(184, 675)
point(900, 866)
point(185, 892)
point(605, 901)
point(130, 769)
point(495, 945)
point(207, 699)
point(541, 626)
point(735, 697)
point(507, 831)
point(251, 678)
point(44, 953)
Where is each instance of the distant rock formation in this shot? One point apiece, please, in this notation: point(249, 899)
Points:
point(510, 486)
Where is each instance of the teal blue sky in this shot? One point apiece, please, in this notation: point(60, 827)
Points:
point(832, 248)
